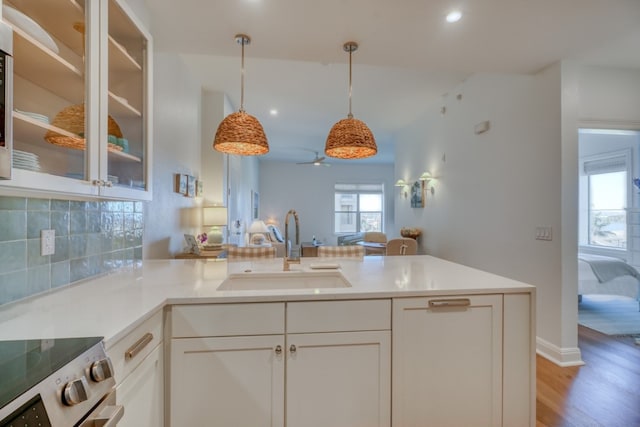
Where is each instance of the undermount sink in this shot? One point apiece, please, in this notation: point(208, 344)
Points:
point(255, 281)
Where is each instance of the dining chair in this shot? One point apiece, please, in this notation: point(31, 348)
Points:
point(374, 237)
point(349, 251)
point(402, 246)
point(236, 253)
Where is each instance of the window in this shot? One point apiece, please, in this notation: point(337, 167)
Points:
point(605, 179)
point(358, 207)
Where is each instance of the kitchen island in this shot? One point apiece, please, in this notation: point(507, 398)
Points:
point(483, 329)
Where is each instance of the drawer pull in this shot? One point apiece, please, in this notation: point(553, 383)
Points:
point(444, 303)
point(138, 346)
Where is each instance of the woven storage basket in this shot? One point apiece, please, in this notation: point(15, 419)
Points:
point(71, 119)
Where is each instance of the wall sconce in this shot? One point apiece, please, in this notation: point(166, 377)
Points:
point(402, 184)
point(426, 176)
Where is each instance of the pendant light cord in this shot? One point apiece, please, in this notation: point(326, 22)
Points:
point(350, 55)
point(242, 78)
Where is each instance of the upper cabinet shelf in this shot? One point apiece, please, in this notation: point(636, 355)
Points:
point(43, 67)
point(120, 59)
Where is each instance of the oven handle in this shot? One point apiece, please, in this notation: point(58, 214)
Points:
point(106, 414)
point(109, 416)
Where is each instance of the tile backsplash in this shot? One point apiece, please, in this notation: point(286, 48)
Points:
point(91, 238)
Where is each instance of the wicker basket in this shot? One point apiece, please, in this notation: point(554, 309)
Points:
point(71, 119)
point(412, 233)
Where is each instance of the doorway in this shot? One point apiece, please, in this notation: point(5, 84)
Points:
point(609, 230)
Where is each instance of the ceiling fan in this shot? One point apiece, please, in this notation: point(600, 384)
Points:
point(317, 161)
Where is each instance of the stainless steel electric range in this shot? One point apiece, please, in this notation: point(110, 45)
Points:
point(58, 383)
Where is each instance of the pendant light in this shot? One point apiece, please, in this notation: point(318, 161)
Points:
point(350, 138)
point(241, 133)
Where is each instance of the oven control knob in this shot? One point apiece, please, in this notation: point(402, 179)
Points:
point(101, 370)
point(75, 391)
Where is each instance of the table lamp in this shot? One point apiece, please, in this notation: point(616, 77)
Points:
point(256, 232)
point(214, 217)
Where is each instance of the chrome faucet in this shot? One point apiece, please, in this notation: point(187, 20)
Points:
point(287, 260)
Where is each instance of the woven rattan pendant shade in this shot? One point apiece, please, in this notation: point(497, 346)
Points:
point(241, 133)
point(350, 138)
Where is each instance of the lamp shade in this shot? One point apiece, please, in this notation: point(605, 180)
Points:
point(400, 183)
point(241, 133)
point(350, 139)
point(257, 231)
point(258, 226)
point(214, 216)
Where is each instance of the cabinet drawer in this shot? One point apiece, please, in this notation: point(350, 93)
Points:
point(131, 350)
point(219, 320)
point(338, 316)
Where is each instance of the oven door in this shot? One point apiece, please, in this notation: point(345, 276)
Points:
point(106, 414)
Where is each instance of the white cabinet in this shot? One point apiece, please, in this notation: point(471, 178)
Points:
point(82, 111)
point(227, 381)
point(339, 379)
point(454, 366)
point(142, 393)
point(335, 356)
point(138, 363)
point(447, 364)
point(338, 363)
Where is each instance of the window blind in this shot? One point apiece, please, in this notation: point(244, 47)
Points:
point(610, 164)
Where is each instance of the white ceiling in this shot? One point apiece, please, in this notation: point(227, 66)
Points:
point(409, 56)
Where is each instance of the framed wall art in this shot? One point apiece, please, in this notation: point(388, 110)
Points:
point(417, 194)
point(255, 204)
point(191, 186)
point(181, 183)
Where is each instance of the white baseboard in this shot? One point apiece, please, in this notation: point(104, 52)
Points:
point(560, 356)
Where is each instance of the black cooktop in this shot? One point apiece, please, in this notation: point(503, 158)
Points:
point(24, 363)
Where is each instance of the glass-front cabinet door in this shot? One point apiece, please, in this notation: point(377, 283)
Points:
point(81, 119)
point(127, 47)
point(52, 59)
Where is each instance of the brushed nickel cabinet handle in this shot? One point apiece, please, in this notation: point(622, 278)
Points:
point(292, 349)
point(138, 346)
point(278, 350)
point(456, 302)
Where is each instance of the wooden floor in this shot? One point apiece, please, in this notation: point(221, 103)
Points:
point(604, 392)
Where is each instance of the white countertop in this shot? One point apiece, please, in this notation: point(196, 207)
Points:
point(111, 306)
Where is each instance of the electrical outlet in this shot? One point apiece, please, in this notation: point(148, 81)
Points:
point(47, 242)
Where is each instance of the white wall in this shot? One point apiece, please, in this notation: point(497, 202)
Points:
point(310, 191)
point(176, 150)
point(212, 161)
point(243, 181)
point(493, 189)
point(609, 95)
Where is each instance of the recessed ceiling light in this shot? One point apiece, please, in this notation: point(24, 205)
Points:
point(454, 16)
point(273, 112)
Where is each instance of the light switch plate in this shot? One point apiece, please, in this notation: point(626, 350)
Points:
point(47, 242)
point(544, 233)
